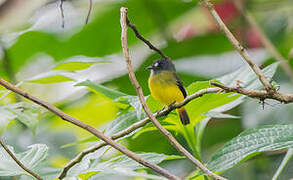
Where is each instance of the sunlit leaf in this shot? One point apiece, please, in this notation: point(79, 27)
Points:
point(101, 89)
point(78, 63)
point(51, 77)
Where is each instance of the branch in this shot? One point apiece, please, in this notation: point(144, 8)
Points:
point(265, 41)
point(168, 135)
point(134, 127)
point(268, 87)
point(89, 12)
point(260, 94)
point(88, 128)
point(18, 162)
point(148, 43)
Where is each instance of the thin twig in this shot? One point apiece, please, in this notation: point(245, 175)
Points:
point(62, 13)
point(242, 51)
point(18, 162)
point(259, 94)
point(266, 41)
point(88, 128)
point(167, 134)
point(148, 43)
point(89, 12)
point(134, 127)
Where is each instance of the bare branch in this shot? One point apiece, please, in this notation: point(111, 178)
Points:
point(168, 135)
point(268, 87)
point(265, 41)
point(18, 162)
point(259, 94)
point(88, 128)
point(135, 126)
point(148, 43)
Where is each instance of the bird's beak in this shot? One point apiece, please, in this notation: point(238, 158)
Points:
point(149, 67)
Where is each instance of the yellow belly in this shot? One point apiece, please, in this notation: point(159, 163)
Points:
point(164, 88)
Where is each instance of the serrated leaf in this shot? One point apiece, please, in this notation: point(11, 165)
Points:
point(122, 122)
point(78, 63)
point(126, 162)
point(120, 165)
point(251, 142)
point(136, 104)
point(101, 89)
point(51, 77)
point(247, 77)
point(30, 158)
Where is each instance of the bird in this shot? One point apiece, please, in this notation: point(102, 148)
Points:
point(166, 86)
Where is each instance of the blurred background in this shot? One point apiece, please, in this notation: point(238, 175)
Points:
point(34, 46)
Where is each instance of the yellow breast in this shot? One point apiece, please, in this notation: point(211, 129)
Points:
point(164, 88)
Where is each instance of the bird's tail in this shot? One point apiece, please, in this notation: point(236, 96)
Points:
point(183, 116)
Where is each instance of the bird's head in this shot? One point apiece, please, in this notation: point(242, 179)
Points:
point(161, 65)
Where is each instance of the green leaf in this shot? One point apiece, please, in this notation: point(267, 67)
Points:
point(127, 163)
point(78, 63)
point(122, 122)
point(250, 143)
point(51, 77)
point(247, 77)
point(30, 158)
point(101, 89)
point(83, 141)
point(136, 104)
point(26, 113)
point(123, 165)
point(5, 118)
point(215, 114)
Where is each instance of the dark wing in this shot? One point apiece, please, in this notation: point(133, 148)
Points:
point(180, 85)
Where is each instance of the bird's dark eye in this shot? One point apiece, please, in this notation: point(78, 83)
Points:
point(156, 64)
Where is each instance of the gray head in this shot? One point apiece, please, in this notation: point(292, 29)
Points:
point(162, 65)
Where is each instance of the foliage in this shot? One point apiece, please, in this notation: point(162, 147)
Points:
point(80, 69)
point(30, 158)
